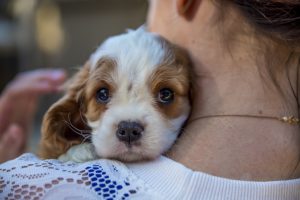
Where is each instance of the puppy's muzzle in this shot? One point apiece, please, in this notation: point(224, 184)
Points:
point(129, 132)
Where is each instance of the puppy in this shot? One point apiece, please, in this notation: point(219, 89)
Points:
point(128, 102)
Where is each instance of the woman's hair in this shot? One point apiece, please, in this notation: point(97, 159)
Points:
point(271, 20)
point(280, 18)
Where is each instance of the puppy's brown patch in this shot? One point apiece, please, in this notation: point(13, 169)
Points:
point(175, 74)
point(102, 77)
point(174, 77)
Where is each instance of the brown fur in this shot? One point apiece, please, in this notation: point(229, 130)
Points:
point(175, 75)
point(57, 136)
point(67, 117)
point(101, 77)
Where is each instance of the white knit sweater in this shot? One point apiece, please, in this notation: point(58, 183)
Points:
point(28, 177)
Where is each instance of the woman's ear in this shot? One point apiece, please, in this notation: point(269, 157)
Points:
point(183, 6)
point(187, 8)
point(64, 123)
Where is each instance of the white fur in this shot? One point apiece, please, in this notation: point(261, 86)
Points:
point(79, 153)
point(136, 52)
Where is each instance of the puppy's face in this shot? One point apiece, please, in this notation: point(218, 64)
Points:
point(133, 96)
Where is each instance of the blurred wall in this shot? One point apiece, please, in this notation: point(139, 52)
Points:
point(60, 34)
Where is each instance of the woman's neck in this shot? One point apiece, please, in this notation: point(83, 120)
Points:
point(250, 148)
point(234, 79)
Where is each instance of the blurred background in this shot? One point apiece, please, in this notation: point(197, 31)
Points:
point(58, 34)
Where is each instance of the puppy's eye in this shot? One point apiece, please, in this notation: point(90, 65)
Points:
point(102, 95)
point(165, 96)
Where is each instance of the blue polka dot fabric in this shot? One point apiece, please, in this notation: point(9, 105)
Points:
point(107, 187)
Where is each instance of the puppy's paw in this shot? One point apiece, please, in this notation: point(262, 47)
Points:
point(79, 153)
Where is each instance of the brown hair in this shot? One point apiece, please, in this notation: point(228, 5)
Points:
point(271, 20)
point(280, 18)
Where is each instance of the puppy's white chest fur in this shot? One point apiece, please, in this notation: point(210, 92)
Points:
point(79, 153)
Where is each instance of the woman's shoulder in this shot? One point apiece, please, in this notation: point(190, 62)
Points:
point(176, 181)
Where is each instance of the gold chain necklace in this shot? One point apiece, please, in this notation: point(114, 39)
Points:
point(292, 120)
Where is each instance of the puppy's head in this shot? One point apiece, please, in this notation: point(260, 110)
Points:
point(132, 96)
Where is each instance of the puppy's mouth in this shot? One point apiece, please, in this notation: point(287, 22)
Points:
point(129, 135)
point(131, 145)
point(131, 153)
point(128, 144)
point(132, 148)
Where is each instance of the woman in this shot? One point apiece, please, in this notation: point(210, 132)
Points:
point(243, 132)
point(246, 58)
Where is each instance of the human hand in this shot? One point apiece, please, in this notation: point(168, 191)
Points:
point(12, 143)
point(18, 104)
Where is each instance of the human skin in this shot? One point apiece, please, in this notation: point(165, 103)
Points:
point(18, 103)
point(228, 81)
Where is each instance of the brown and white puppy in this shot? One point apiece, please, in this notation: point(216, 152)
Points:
point(131, 99)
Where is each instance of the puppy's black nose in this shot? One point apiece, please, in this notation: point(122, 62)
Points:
point(129, 131)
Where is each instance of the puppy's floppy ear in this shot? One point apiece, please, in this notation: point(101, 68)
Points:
point(63, 121)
